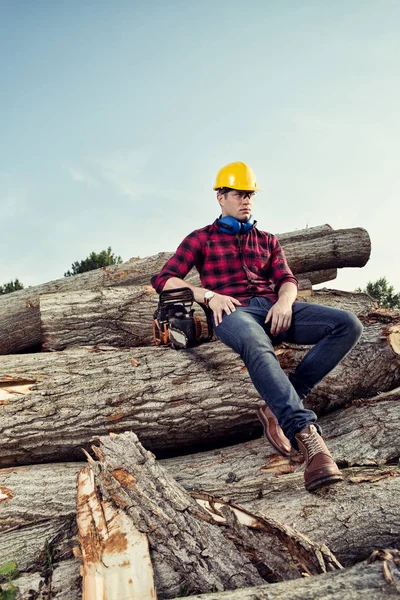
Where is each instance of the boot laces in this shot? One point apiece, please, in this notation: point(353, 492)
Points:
point(313, 444)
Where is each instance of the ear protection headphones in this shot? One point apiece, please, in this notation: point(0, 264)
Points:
point(233, 226)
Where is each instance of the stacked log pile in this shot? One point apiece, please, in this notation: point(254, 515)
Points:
point(86, 507)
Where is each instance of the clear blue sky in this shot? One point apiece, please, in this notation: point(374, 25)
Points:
point(116, 116)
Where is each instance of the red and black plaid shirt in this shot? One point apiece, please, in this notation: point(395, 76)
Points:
point(242, 266)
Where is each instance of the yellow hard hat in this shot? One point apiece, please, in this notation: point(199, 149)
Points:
point(237, 176)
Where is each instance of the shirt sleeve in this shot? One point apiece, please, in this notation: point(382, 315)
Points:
point(187, 256)
point(280, 271)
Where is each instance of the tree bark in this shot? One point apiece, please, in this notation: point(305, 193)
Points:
point(52, 404)
point(377, 581)
point(37, 514)
point(367, 433)
point(327, 517)
point(329, 250)
point(123, 316)
point(315, 249)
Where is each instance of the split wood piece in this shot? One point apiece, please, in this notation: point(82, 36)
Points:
point(379, 580)
point(353, 517)
point(173, 400)
point(198, 545)
point(19, 311)
point(123, 316)
point(115, 554)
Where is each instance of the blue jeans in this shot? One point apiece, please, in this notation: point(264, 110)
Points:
point(331, 331)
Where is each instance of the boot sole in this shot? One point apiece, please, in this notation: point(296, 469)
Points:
point(269, 438)
point(324, 481)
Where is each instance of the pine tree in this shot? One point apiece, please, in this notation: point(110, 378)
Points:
point(12, 286)
point(382, 291)
point(95, 260)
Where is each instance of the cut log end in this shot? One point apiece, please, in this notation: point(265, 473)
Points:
point(394, 339)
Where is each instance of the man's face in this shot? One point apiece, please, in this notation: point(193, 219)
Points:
point(236, 203)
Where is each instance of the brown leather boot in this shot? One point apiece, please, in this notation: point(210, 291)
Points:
point(273, 431)
point(321, 469)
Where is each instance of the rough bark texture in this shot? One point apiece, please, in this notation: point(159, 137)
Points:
point(171, 399)
point(315, 249)
point(377, 581)
point(367, 433)
point(122, 316)
point(328, 250)
point(37, 514)
point(188, 547)
point(373, 366)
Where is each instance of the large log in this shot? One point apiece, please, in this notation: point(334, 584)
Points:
point(315, 249)
point(327, 517)
point(37, 503)
point(53, 403)
point(20, 326)
point(328, 250)
point(122, 316)
point(376, 580)
point(367, 433)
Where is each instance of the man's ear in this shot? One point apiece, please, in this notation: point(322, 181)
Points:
point(220, 198)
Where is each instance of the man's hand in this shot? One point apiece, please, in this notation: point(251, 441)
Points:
point(220, 304)
point(280, 315)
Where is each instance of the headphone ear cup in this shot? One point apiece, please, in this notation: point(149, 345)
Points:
point(229, 225)
point(249, 224)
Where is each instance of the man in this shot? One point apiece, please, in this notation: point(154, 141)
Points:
point(251, 291)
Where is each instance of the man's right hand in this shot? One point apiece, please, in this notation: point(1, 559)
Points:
point(220, 304)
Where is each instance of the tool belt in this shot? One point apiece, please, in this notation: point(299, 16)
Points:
point(175, 323)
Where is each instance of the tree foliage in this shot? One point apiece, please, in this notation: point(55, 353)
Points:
point(12, 286)
point(95, 260)
point(382, 291)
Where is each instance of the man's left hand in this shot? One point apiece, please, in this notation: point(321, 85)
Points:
point(280, 315)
